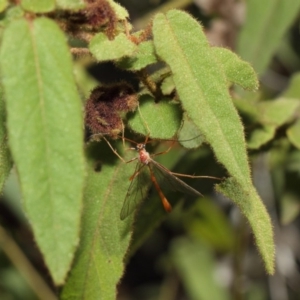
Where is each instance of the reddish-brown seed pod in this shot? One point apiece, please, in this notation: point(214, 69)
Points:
point(104, 108)
point(98, 14)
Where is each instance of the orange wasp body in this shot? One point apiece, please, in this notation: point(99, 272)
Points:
point(156, 170)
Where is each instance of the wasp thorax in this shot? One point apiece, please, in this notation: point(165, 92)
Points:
point(144, 156)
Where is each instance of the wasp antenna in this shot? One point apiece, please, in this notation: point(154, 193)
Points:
point(113, 150)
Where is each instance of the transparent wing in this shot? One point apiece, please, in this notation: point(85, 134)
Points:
point(137, 190)
point(167, 180)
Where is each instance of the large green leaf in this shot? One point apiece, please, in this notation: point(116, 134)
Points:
point(98, 265)
point(45, 135)
point(266, 23)
point(202, 89)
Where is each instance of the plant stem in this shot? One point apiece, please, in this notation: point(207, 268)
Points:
point(17, 257)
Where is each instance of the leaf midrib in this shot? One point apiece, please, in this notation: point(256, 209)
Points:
point(45, 135)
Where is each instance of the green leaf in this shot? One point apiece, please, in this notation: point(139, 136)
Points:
point(290, 208)
point(98, 265)
point(195, 266)
point(144, 57)
point(5, 158)
point(104, 49)
point(213, 227)
point(202, 89)
point(70, 4)
point(254, 210)
point(205, 98)
point(44, 120)
point(168, 86)
point(277, 112)
point(120, 11)
point(260, 136)
point(161, 120)
point(12, 13)
point(292, 163)
point(293, 134)
point(248, 108)
point(189, 135)
point(237, 71)
point(293, 90)
point(270, 115)
point(3, 5)
point(38, 6)
point(266, 23)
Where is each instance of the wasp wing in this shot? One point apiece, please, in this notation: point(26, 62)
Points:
point(137, 190)
point(168, 180)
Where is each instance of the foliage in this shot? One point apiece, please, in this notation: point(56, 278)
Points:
point(73, 186)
